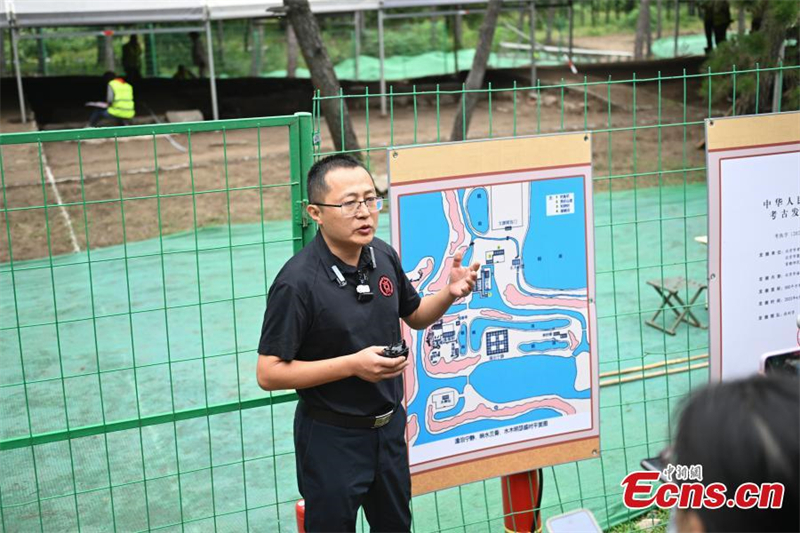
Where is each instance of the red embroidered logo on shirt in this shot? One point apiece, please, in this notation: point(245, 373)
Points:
point(386, 286)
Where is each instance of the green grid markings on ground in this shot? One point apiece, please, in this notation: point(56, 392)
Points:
point(127, 396)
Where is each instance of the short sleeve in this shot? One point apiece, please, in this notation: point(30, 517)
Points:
point(408, 296)
point(285, 322)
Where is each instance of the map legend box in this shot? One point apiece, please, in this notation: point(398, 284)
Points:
point(560, 204)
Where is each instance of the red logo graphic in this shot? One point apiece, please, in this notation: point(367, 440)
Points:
point(638, 493)
point(386, 286)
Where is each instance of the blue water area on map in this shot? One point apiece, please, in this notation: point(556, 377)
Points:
point(509, 380)
point(554, 252)
point(478, 209)
point(478, 326)
point(462, 338)
point(530, 347)
point(456, 309)
point(424, 230)
point(467, 259)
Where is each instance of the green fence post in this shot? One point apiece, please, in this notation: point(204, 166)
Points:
point(306, 160)
point(301, 158)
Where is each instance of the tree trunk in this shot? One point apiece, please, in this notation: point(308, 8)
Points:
point(258, 50)
point(323, 76)
point(221, 42)
point(548, 36)
point(456, 38)
point(2, 52)
point(477, 72)
point(658, 19)
point(740, 28)
point(775, 31)
point(291, 52)
point(642, 30)
point(434, 30)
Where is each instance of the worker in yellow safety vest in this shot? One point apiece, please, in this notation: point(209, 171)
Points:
point(118, 106)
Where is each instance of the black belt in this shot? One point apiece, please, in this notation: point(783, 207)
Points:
point(347, 421)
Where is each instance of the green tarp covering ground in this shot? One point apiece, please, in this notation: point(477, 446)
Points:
point(420, 66)
point(441, 63)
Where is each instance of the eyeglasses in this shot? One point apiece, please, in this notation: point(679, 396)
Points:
point(350, 208)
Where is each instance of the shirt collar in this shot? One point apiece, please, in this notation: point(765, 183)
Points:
point(329, 259)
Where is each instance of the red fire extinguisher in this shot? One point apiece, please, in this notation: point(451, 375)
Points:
point(522, 498)
point(300, 513)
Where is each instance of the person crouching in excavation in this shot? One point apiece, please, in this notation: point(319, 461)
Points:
point(118, 107)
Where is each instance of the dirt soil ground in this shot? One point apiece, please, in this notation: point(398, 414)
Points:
point(110, 192)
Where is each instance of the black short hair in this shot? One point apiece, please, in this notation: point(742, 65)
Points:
point(317, 186)
point(745, 431)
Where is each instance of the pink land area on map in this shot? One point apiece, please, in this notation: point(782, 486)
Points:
point(515, 297)
point(483, 411)
point(412, 428)
point(573, 341)
point(454, 216)
point(493, 313)
point(457, 225)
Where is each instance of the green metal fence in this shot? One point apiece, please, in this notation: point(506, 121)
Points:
point(650, 216)
point(134, 264)
point(127, 396)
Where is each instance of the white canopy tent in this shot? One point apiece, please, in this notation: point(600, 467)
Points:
point(39, 13)
point(18, 14)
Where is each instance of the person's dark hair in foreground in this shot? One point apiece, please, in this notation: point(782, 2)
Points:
point(745, 431)
point(317, 186)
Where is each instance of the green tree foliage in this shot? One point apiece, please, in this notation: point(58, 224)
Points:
point(774, 24)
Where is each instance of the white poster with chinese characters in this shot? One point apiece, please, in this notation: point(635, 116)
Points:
point(754, 239)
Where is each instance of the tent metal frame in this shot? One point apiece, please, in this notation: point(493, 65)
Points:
point(205, 28)
point(380, 7)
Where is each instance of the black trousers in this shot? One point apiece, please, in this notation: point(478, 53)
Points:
point(342, 469)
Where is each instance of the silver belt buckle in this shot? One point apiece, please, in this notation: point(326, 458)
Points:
point(382, 420)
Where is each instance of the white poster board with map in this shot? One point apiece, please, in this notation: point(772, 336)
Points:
point(754, 239)
point(507, 380)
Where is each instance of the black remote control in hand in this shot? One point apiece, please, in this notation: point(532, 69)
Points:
point(396, 350)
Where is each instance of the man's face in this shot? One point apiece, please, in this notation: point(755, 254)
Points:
point(346, 184)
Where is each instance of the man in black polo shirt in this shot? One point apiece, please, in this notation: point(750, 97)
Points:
point(331, 311)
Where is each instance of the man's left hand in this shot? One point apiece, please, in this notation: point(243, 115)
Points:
point(462, 279)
